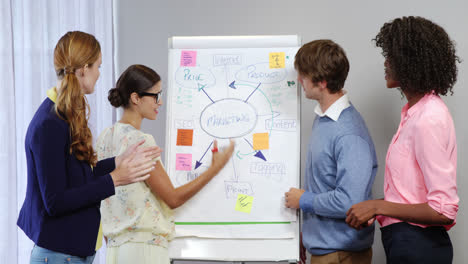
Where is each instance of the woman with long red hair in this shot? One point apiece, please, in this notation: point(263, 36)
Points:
point(65, 182)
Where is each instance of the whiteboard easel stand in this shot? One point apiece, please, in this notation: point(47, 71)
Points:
point(211, 42)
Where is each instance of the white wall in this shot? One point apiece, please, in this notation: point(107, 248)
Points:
point(143, 27)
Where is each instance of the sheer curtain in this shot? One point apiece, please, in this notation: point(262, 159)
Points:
point(29, 31)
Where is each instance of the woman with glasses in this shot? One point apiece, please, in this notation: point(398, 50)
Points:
point(138, 221)
point(66, 183)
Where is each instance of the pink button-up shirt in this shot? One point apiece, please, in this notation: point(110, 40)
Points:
point(421, 163)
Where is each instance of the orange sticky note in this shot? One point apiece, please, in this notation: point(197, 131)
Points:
point(260, 141)
point(184, 137)
point(277, 60)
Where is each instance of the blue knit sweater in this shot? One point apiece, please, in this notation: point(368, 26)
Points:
point(340, 170)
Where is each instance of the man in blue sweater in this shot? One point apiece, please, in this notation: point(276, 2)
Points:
point(341, 162)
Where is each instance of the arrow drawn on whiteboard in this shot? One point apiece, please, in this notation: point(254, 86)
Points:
point(271, 107)
point(232, 85)
point(248, 142)
point(259, 153)
point(274, 114)
point(200, 87)
point(253, 92)
point(198, 163)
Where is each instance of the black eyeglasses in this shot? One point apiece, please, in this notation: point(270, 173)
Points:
point(156, 96)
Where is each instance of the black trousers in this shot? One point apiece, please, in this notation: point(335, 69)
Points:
point(405, 243)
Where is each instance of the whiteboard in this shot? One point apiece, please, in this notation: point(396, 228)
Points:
point(221, 90)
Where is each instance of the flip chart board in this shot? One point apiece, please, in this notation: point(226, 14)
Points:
point(241, 88)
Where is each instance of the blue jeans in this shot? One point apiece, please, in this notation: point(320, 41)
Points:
point(409, 244)
point(42, 255)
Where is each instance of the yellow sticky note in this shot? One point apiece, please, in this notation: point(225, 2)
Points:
point(277, 60)
point(261, 141)
point(244, 203)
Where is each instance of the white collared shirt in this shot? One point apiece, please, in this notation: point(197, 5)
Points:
point(335, 109)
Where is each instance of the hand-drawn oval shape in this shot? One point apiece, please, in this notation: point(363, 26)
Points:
point(261, 73)
point(228, 118)
point(194, 77)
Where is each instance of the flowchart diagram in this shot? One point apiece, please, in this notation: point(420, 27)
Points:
point(251, 96)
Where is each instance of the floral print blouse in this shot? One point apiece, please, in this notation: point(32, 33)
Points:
point(134, 213)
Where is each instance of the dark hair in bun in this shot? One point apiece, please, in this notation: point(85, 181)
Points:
point(114, 97)
point(135, 79)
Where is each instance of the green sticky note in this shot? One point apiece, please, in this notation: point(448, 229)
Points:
point(244, 203)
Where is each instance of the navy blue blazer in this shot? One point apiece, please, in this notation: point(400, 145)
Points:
point(63, 195)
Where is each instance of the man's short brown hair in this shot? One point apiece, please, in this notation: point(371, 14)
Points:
point(323, 60)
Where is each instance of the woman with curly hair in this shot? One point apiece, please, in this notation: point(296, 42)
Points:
point(420, 188)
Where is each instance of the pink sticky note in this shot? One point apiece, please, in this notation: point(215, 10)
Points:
point(188, 58)
point(184, 162)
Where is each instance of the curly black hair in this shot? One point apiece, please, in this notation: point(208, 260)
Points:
point(420, 54)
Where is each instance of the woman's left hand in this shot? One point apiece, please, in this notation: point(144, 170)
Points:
point(151, 152)
point(362, 214)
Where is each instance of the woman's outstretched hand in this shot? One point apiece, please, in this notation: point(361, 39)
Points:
point(220, 158)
